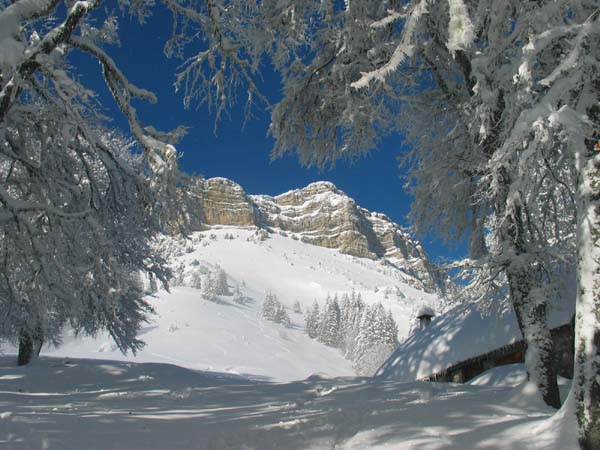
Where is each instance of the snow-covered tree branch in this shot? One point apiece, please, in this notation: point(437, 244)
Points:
point(77, 208)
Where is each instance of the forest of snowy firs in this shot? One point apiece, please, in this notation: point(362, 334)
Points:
point(366, 335)
point(498, 103)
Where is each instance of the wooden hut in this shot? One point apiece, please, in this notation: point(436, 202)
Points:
point(466, 341)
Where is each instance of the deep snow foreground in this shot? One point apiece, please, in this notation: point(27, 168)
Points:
point(87, 404)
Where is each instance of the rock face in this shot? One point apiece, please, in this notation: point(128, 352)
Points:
point(224, 202)
point(319, 214)
point(323, 216)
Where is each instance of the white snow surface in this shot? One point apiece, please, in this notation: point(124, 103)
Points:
point(203, 382)
point(70, 404)
point(223, 336)
point(507, 375)
point(512, 375)
point(461, 333)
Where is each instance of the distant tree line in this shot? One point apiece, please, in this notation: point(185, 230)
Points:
point(367, 335)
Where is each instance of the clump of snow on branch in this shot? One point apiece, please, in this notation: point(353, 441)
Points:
point(403, 51)
point(388, 20)
point(460, 27)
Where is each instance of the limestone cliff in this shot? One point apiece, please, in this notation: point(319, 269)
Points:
point(319, 214)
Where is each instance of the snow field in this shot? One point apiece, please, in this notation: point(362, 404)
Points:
point(101, 405)
point(225, 337)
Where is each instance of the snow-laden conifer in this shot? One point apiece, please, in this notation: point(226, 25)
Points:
point(238, 297)
point(273, 310)
point(366, 335)
point(221, 284)
point(329, 324)
point(297, 308)
point(196, 279)
point(376, 340)
point(281, 316)
point(311, 320)
point(209, 288)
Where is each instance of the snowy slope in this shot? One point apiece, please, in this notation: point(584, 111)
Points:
point(227, 337)
point(224, 337)
point(296, 271)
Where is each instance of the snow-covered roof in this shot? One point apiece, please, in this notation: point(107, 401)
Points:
point(458, 335)
point(425, 310)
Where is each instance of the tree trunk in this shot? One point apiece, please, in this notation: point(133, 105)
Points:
point(30, 345)
point(25, 348)
point(531, 317)
point(523, 277)
point(586, 381)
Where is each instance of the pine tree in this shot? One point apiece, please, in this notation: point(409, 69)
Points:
point(364, 340)
point(311, 320)
point(196, 279)
point(345, 321)
point(391, 331)
point(329, 332)
point(297, 308)
point(366, 335)
point(351, 325)
point(281, 316)
point(377, 339)
point(221, 285)
point(269, 306)
point(320, 320)
point(209, 288)
point(274, 311)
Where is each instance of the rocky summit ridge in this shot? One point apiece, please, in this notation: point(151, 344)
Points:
point(318, 214)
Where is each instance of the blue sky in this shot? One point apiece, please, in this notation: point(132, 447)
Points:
point(243, 154)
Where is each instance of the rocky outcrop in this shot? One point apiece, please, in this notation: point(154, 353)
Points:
point(319, 214)
point(219, 201)
point(322, 215)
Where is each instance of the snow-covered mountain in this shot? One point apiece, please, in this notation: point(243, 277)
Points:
point(319, 214)
point(300, 246)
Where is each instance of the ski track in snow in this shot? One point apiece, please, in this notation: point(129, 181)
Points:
point(110, 405)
